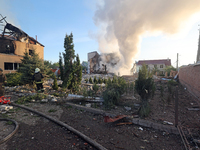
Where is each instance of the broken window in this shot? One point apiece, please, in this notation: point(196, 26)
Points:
point(11, 66)
point(161, 66)
point(30, 52)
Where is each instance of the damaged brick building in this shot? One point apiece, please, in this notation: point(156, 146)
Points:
point(13, 44)
point(101, 63)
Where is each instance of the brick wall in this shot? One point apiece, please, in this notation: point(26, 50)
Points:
point(189, 77)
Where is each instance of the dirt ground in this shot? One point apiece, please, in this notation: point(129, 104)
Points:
point(38, 133)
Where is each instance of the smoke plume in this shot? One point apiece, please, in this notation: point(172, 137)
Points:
point(122, 24)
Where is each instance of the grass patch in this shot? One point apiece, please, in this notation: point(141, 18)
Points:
point(9, 123)
point(52, 110)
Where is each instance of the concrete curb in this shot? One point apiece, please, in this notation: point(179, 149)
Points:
point(140, 122)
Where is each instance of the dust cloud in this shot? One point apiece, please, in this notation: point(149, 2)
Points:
point(123, 23)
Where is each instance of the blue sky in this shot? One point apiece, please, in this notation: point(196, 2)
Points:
point(51, 20)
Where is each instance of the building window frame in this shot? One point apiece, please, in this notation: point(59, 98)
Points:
point(11, 66)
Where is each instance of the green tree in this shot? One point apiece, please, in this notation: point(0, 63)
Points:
point(114, 80)
point(86, 80)
point(100, 81)
point(95, 88)
point(155, 69)
point(168, 69)
point(61, 66)
point(109, 81)
point(51, 65)
point(105, 81)
point(95, 80)
point(90, 80)
point(55, 85)
point(28, 65)
point(78, 70)
point(145, 87)
point(71, 75)
point(113, 92)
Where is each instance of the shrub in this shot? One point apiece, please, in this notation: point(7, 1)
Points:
point(100, 81)
point(95, 80)
point(25, 99)
point(145, 87)
point(86, 80)
point(13, 79)
point(105, 81)
point(90, 80)
point(113, 92)
point(109, 81)
point(85, 94)
point(55, 85)
point(95, 88)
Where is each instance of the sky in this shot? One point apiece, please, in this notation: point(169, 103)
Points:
point(129, 27)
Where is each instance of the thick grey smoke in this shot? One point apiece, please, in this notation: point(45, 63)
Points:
point(123, 23)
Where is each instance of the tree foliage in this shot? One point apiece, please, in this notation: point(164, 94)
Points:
point(50, 64)
point(113, 92)
point(55, 85)
point(28, 65)
point(169, 68)
point(72, 70)
point(95, 80)
point(90, 80)
point(145, 87)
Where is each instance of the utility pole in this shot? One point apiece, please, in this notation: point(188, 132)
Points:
point(198, 51)
point(177, 63)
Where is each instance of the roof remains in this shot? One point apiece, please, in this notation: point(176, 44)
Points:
point(14, 33)
point(167, 62)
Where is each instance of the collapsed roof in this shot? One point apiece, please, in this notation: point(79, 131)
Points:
point(14, 33)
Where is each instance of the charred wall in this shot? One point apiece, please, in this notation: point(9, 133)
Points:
point(6, 46)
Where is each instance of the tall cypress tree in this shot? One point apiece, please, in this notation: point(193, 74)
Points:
point(61, 66)
point(78, 70)
point(72, 73)
point(68, 56)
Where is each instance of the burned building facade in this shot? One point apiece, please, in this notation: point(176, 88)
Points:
point(101, 63)
point(13, 44)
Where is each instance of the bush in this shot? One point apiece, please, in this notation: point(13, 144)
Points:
point(95, 80)
point(25, 99)
point(113, 92)
point(85, 94)
point(95, 88)
point(90, 80)
point(86, 80)
point(145, 87)
point(100, 81)
point(105, 81)
point(13, 79)
point(55, 85)
point(172, 83)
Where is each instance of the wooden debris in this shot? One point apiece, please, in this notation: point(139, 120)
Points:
point(124, 123)
point(195, 109)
